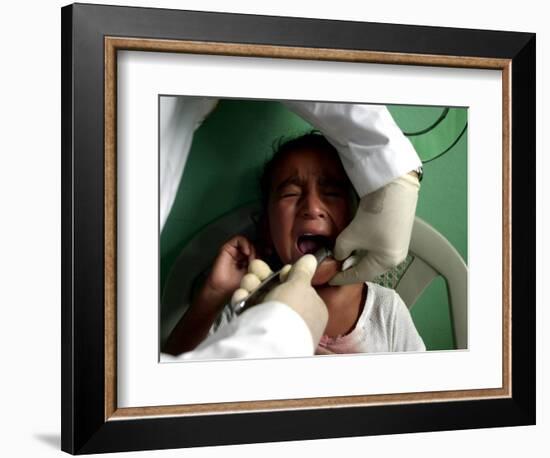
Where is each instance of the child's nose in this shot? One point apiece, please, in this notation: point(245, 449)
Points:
point(312, 206)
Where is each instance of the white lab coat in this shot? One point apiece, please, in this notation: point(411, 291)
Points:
point(266, 330)
point(180, 117)
point(372, 148)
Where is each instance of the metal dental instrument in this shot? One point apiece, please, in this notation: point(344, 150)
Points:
point(271, 282)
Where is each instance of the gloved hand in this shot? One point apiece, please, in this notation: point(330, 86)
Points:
point(300, 296)
point(380, 232)
point(258, 271)
point(295, 291)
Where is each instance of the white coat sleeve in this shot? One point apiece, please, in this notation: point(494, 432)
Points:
point(371, 145)
point(179, 118)
point(267, 330)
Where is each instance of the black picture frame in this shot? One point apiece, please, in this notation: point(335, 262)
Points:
point(85, 428)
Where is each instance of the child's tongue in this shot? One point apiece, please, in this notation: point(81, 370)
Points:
point(308, 245)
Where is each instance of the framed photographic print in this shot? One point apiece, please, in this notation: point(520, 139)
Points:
point(247, 131)
point(142, 226)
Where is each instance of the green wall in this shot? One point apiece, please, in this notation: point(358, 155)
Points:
point(231, 146)
point(442, 203)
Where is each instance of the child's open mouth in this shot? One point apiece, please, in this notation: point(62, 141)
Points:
point(310, 243)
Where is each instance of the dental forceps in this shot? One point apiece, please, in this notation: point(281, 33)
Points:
point(269, 283)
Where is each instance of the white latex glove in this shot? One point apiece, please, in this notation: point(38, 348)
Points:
point(300, 296)
point(258, 271)
point(295, 291)
point(380, 232)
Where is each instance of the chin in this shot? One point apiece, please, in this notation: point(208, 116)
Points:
point(328, 269)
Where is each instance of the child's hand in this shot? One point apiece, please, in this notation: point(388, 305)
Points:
point(230, 266)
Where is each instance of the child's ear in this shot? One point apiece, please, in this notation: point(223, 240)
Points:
point(266, 249)
point(268, 245)
point(264, 236)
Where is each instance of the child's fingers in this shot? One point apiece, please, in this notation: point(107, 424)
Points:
point(240, 249)
point(246, 248)
point(242, 245)
point(252, 254)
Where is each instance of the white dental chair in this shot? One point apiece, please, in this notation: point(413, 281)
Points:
point(430, 255)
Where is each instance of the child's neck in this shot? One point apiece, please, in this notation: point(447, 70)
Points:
point(345, 304)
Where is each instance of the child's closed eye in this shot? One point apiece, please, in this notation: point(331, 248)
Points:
point(290, 194)
point(290, 191)
point(333, 192)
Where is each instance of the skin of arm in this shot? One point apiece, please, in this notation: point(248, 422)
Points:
point(229, 268)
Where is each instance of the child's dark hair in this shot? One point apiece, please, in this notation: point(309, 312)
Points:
point(281, 147)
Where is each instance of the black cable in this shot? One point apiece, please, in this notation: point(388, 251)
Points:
point(450, 147)
point(442, 116)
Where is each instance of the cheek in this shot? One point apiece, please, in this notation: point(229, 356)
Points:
point(280, 225)
point(281, 216)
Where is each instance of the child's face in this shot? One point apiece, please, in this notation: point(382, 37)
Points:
point(309, 205)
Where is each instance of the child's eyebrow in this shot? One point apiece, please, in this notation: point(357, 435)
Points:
point(332, 181)
point(293, 180)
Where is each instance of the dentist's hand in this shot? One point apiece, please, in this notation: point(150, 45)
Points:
point(380, 231)
point(299, 295)
point(258, 271)
point(295, 291)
